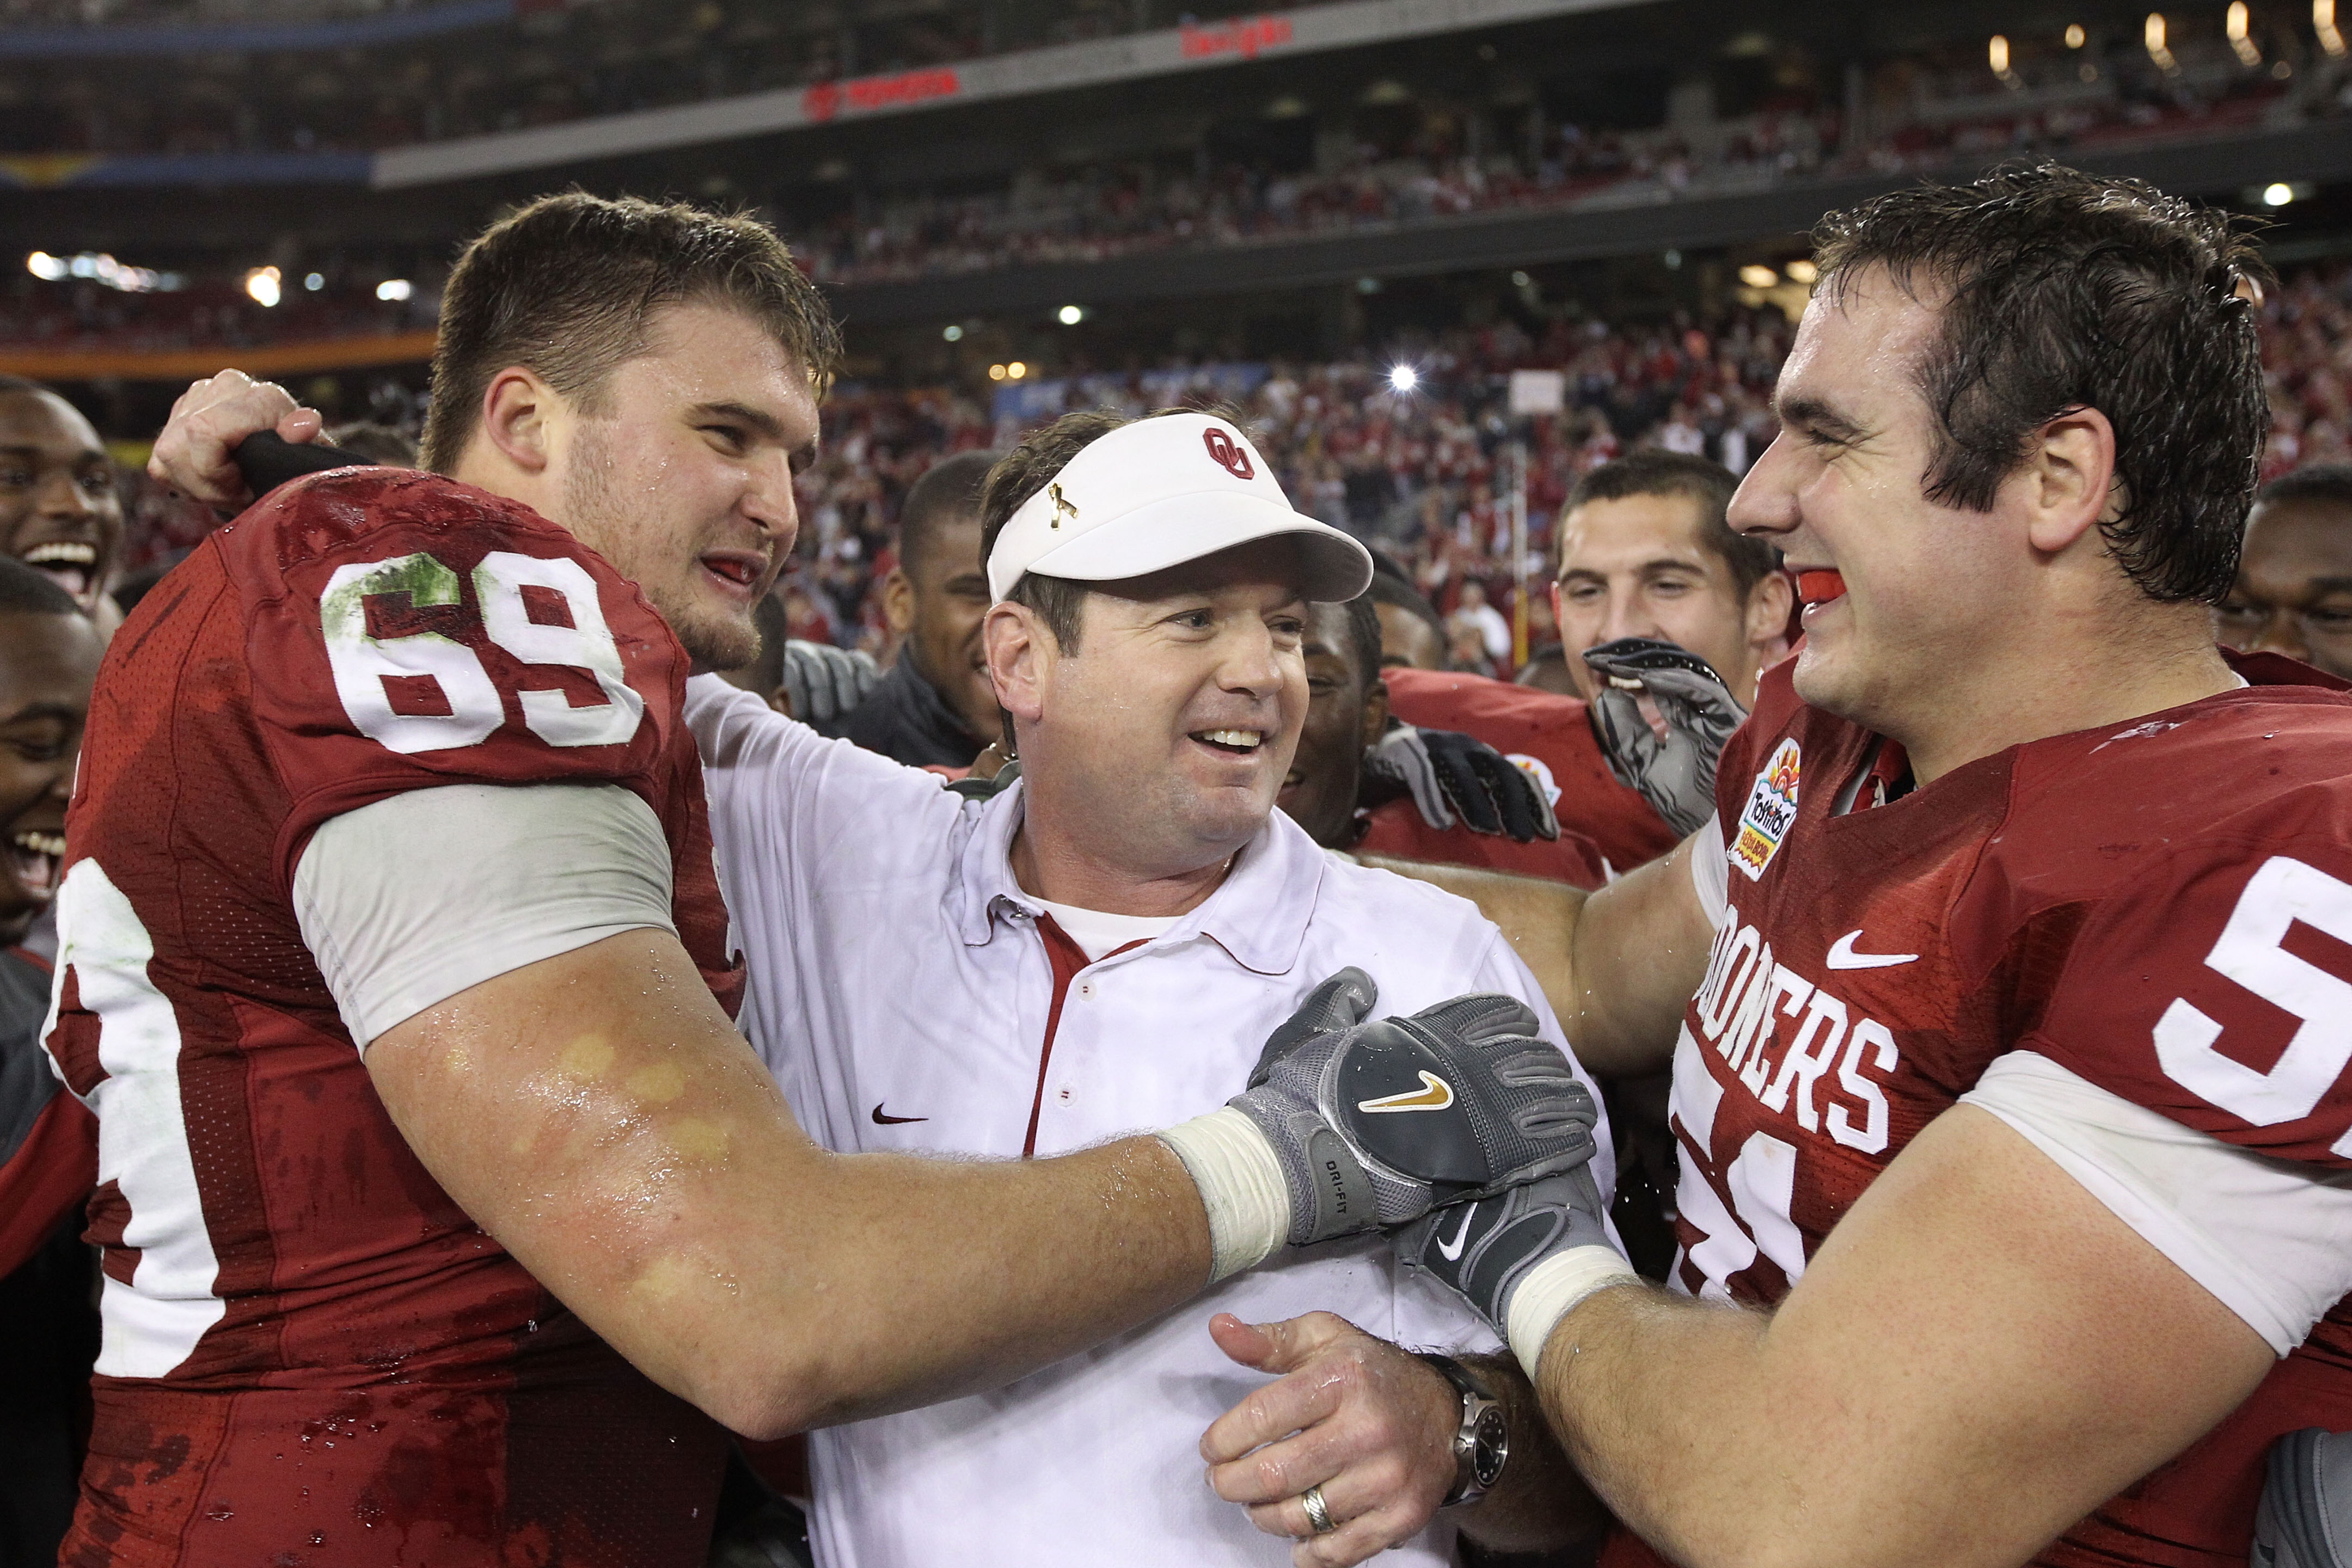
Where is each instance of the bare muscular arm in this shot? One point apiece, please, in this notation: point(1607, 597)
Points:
point(1617, 965)
point(1946, 1385)
point(599, 1115)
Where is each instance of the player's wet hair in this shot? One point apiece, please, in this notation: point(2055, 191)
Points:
point(948, 492)
point(26, 591)
point(2063, 290)
point(2329, 482)
point(567, 287)
point(1710, 484)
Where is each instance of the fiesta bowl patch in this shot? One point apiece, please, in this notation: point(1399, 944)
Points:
point(1770, 812)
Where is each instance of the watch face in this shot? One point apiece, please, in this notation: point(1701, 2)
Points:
point(1490, 1446)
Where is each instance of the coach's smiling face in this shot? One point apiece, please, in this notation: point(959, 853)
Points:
point(1157, 742)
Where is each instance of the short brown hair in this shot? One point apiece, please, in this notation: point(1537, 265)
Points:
point(567, 287)
point(1711, 485)
point(2065, 291)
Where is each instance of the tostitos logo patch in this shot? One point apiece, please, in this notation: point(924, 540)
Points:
point(1770, 812)
point(1534, 768)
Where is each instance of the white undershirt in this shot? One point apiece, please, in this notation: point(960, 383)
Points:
point(1099, 934)
point(410, 900)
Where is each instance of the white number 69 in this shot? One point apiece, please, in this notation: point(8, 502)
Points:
point(361, 660)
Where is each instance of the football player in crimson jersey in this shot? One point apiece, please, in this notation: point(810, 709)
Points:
point(2008, 997)
point(446, 1217)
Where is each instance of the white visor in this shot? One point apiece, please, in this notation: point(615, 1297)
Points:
point(1158, 493)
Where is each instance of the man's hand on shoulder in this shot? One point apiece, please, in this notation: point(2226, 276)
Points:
point(1674, 771)
point(1454, 777)
point(194, 455)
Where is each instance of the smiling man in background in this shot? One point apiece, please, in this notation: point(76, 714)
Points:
point(2294, 591)
point(59, 512)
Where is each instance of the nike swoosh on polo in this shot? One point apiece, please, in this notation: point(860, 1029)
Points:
point(1842, 955)
point(1435, 1094)
point(882, 1121)
point(1451, 1251)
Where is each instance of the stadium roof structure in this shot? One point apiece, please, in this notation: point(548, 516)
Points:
point(1167, 51)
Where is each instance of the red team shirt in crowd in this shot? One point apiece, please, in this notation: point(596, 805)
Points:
point(1551, 737)
point(2161, 908)
point(312, 1356)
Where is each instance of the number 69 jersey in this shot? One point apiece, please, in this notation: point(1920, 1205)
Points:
point(2153, 920)
point(311, 1355)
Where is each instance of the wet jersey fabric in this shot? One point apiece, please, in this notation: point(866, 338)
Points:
point(311, 1356)
point(2160, 907)
point(1551, 737)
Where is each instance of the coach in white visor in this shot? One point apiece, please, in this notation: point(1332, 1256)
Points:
point(1103, 945)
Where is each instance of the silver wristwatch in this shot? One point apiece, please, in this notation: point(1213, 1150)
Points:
point(1482, 1444)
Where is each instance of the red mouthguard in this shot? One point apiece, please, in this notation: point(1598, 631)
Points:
point(1820, 587)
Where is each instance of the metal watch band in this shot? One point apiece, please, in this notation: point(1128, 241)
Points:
point(1482, 1444)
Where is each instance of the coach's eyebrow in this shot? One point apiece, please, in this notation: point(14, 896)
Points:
point(1820, 417)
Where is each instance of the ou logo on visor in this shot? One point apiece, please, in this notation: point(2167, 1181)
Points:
point(1230, 455)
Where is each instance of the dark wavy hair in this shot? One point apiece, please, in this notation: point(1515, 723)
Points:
point(2063, 291)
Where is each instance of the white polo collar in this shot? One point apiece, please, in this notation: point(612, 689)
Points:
point(1259, 914)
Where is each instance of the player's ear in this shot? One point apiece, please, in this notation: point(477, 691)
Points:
point(899, 601)
point(517, 410)
point(1376, 711)
point(1766, 620)
point(2069, 479)
point(1015, 643)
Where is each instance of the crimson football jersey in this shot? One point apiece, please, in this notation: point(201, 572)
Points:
point(2161, 907)
point(1396, 828)
point(311, 1355)
point(1551, 737)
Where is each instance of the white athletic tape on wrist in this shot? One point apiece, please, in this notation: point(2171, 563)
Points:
point(1552, 1290)
point(1241, 1183)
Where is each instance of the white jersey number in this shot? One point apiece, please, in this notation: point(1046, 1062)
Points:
point(361, 660)
point(2281, 893)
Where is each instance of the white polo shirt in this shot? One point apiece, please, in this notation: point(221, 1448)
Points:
point(901, 993)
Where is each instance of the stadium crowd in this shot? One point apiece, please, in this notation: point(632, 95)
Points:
point(1000, 775)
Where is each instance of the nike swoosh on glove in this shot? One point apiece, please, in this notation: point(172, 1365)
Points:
point(1375, 1123)
point(1677, 775)
point(823, 683)
point(1446, 773)
point(2306, 1505)
point(1485, 1250)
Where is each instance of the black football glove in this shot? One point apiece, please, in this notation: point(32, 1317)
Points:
point(1447, 774)
point(1484, 1249)
point(2306, 1517)
point(1374, 1123)
point(1675, 776)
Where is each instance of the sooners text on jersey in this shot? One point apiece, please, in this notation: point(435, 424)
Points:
point(2163, 908)
point(311, 1355)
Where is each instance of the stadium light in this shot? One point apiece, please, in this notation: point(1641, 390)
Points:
point(1803, 270)
point(393, 291)
point(2075, 36)
point(314, 281)
point(45, 266)
point(2323, 22)
point(996, 372)
point(1014, 370)
point(1997, 55)
point(1757, 277)
point(2153, 35)
point(2277, 194)
point(2238, 28)
point(261, 284)
point(953, 331)
point(1403, 378)
point(1070, 315)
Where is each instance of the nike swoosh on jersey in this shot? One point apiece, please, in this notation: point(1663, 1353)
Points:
point(1435, 1094)
point(1842, 955)
point(882, 1121)
point(1451, 1251)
